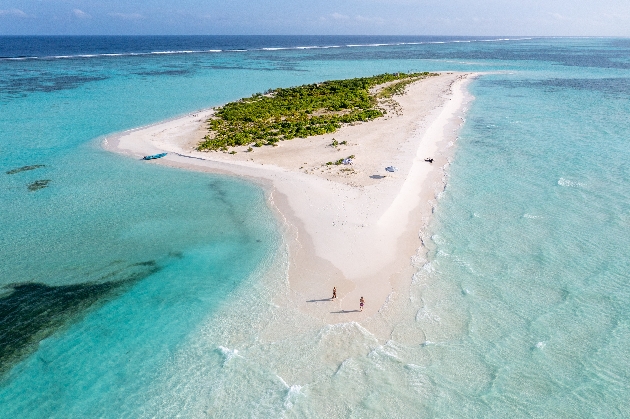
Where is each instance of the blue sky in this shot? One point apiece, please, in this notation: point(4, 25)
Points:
point(324, 17)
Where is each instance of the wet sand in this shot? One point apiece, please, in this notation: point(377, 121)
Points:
point(356, 227)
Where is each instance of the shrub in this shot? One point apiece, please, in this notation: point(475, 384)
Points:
point(300, 112)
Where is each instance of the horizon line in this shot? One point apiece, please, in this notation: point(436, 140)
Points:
point(327, 35)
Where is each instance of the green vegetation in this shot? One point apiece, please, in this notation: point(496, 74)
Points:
point(336, 143)
point(338, 162)
point(312, 109)
point(397, 88)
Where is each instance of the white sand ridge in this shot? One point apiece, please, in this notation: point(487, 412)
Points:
point(355, 226)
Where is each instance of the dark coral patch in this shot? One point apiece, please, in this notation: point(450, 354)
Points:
point(38, 184)
point(24, 169)
point(31, 312)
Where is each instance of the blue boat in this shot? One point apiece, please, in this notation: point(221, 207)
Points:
point(154, 156)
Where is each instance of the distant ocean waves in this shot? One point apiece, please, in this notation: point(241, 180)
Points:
point(280, 48)
point(519, 307)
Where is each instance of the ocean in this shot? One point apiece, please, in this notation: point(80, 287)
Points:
point(129, 289)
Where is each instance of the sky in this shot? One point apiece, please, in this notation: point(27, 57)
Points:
point(316, 17)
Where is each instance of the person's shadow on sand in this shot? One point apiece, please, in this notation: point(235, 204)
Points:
point(345, 311)
point(317, 301)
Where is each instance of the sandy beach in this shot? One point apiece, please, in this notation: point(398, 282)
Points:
point(356, 227)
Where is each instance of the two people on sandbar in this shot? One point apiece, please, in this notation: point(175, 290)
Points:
point(361, 301)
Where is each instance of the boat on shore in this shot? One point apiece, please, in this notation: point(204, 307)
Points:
point(154, 156)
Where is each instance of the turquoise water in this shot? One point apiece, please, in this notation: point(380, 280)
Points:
point(532, 234)
point(136, 290)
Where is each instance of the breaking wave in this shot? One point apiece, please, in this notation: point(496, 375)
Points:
point(212, 51)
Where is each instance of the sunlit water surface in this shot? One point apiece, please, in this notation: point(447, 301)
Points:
point(133, 290)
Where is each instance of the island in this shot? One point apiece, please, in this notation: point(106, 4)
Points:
point(321, 152)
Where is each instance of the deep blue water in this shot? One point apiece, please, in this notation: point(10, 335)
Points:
point(48, 47)
point(117, 270)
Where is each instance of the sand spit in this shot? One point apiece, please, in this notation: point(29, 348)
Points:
point(354, 226)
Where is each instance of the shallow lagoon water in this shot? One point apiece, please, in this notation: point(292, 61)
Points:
point(519, 307)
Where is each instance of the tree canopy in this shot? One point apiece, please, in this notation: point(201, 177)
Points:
point(303, 111)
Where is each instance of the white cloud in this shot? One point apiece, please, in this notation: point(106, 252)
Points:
point(366, 19)
point(194, 15)
point(558, 16)
point(81, 14)
point(621, 17)
point(339, 16)
point(127, 16)
point(13, 12)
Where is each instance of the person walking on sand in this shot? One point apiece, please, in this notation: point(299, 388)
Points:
point(334, 293)
point(361, 302)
